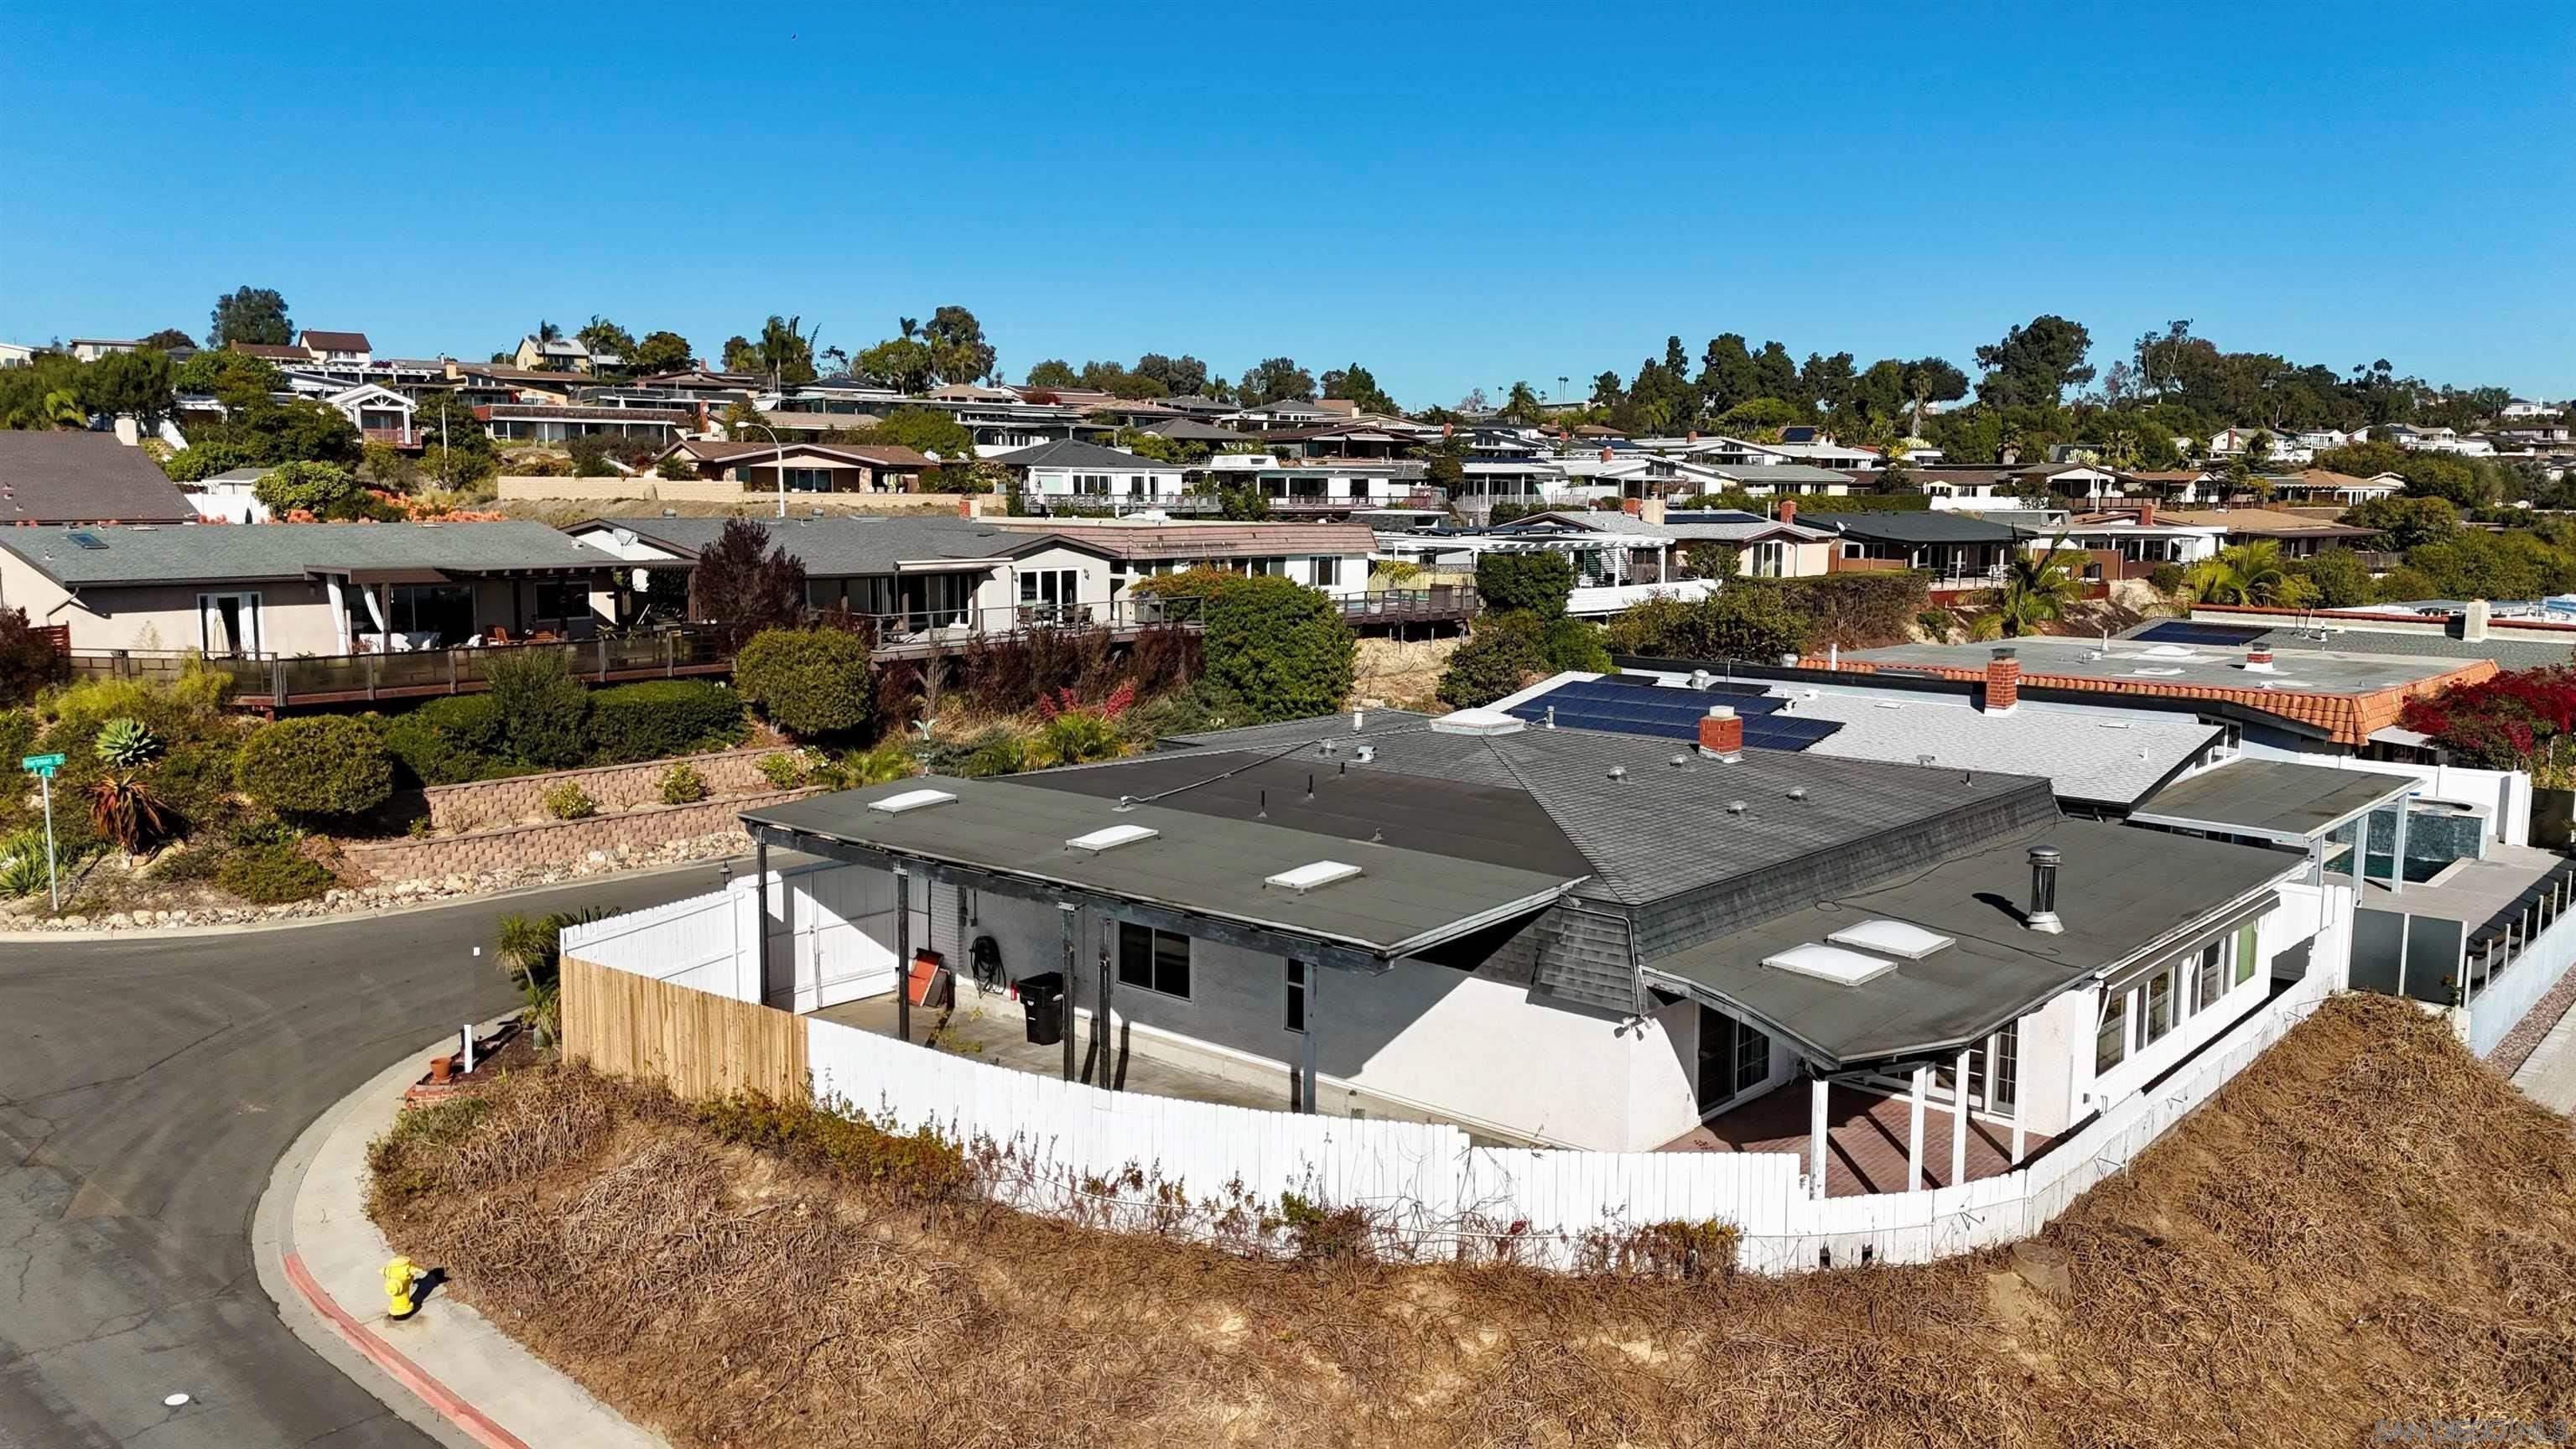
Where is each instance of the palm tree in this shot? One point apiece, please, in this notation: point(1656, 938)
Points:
point(2038, 589)
point(531, 952)
point(2245, 573)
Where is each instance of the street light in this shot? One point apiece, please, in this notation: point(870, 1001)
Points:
point(782, 462)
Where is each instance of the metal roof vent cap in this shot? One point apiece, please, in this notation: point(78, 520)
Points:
point(1798, 793)
point(1618, 772)
point(1701, 679)
point(1736, 807)
point(1678, 761)
point(2044, 860)
point(1365, 753)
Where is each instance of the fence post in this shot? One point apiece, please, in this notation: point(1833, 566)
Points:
point(371, 669)
point(277, 683)
point(602, 641)
point(669, 666)
point(452, 685)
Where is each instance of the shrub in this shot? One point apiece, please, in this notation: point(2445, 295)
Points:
point(919, 1167)
point(1935, 623)
point(1539, 582)
point(27, 659)
point(806, 681)
point(1498, 659)
point(782, 770)
point(662, 717)
point(2166, 578)
point(448, 740)
point(568, 801)
point(1001, 753)
point(1574, 644)
point(545, 711)
point(1739, 622)
point(1281, 648)
point(324, 765)
point(271, 874)
point(683, 785)
point(1076, 736)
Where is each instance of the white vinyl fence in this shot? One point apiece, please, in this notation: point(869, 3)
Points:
point(1143, 1163)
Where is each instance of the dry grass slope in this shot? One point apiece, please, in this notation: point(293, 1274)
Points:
point(2367, 1224)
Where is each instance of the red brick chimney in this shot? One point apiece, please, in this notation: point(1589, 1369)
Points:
point(2146, 512)
point(2003, 681)
point(1788, 510)
point(1633, 507)
point(1721, 732)
point(2258, 657)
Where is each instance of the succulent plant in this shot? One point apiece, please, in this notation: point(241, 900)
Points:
point(128, 743)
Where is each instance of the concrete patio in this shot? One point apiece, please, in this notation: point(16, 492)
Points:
point(992, 1029)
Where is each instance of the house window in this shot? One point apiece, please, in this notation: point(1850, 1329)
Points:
point(1091, 485)
point(1049, 591)
point(809, 480)
point(1328, 572)
point(558, 601)
point(2210, 981)
point(2003, 1084)
point(2160, 1004)
point(2245, 954)
point(1157, 961)
point(1296, 995)
point(2111, 1038)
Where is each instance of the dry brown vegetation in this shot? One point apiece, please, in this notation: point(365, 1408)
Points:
point(2366, 1224)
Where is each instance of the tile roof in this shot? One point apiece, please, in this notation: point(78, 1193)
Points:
point(82, 477)
point(210, 552)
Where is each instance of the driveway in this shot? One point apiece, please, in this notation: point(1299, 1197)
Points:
point(147, 1088)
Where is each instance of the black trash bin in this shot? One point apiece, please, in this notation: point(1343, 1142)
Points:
point(1042, 1000)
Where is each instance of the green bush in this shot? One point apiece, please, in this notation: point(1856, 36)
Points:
point(808, 682)
point(271, 874)
point(782, 770)
point(2166, 579)
point(1574, 644)
point(1538, 582)
point(448, 740)
point(568, 801)
point(1498, 659)
point(663, 717)
point(1004, 753)
point(325, 765)
point(545, 710)
point(1739, 622)
point(1281, 648)
point(683, 785)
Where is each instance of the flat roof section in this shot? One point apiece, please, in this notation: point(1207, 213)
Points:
point(1404, 901)
point(2272, 799)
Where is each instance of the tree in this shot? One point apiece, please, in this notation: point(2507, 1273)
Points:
point(1503, 653)
point(1538, 582)
point(2038, 589)
point(250, 314)
point(1357, 385)
point(2035, 364)
point(326, 491)
point(27, 659)
point(2246, 573)
point(1758, 420)
point(1055, 372)
point(659, 352)
point(1281, 648)
point(904, 364)
point(130, 384)
point(1749, 619)
point(2405, 523)
point(235, 379)
point(958, 351)
point(1521, 406)
point(1276, 379)
point(745, 585)
point(1931, 380)
point(924, 430)
point(2339, 578)
point(1182, 376)
point(2512, 721)
point(783, 354)
point(170, 339)
point(603, 336)
point(2462, 481)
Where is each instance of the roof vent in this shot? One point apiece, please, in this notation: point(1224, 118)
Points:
point(2042, 917)
point(1478, 722)
point(1311, 876)
point(1798, 793)
point(1112, 837)
point(912, 800)
point(1891, 938)
point(1830, 963)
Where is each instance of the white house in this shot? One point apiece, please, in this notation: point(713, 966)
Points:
point(380, 413)
point(1322, 484)
point(1070, 475)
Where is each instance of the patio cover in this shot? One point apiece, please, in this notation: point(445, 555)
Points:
point(2274, 800)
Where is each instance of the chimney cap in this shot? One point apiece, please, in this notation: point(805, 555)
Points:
point(2046, 855)
point(2007, 651)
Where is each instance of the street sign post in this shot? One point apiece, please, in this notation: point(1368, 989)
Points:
point(43, 768)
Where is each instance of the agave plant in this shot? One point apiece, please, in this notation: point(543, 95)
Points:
point(22, 863)
point(127, 743)
point(126, 811)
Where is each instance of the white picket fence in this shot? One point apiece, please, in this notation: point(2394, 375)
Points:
point(1136, 1162)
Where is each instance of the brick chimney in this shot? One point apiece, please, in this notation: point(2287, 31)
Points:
point(2003, 681)
point(2258, 658)
point(1721, 733)
point(1651, 510)
point(1607, 455)
point(1788, 510)
point(1633, 507)
point(2146, 512)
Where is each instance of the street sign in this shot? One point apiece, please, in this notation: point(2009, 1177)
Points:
point(43, 768)
point(44, 765)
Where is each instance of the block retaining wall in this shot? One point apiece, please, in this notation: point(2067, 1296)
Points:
point(555, 842)
point(521, 799)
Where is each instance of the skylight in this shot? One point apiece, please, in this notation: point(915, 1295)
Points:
point(1309, 877)
point(1830, 963)
point(912, 800)
point(1112, 837)
point(1478, 722)
point(1891, 938)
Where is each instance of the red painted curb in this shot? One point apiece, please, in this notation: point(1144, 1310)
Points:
point(433, 1393)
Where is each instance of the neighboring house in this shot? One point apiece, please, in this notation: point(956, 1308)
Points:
point(280, 353)
point(380, 413)
point(560, 354)
point(1068, 475)
point(1333, 557)
point(2130, 545)
point(1766, 548)
point(83, 477)
point(2326, 488)
point(807, 467)
point(303, 589)
point(2526, 408)
point(915, 576)
point(526, 422)
point(1325, 484)
point(2285, 448)
point(91, 349)
point(1952, 545)
point(338, 350)
point(1285, 413)
point(2298, 535)
point(1970, 489)
point(17, 354)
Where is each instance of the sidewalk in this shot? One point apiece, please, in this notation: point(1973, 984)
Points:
point(2548, 1075)
point(446, 1370)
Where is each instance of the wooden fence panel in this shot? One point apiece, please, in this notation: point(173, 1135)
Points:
point(696, 1043)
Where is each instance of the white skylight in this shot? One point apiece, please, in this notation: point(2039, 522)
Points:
point(1479, 722)
point(1891, 938)
point(1830, 963)
point(2166, 651)
point(1112, 837)
point(1308, 877)
point(911, 800)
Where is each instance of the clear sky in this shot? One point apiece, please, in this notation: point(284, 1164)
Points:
point(1452, 196)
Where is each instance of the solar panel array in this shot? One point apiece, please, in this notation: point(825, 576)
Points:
point(1672, 714)
point(2183, 631)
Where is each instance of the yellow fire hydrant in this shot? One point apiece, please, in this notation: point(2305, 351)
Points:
point(400, 1275)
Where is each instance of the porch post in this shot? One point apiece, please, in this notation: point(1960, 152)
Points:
point(2397, 852)
point(1914, 1129)
point(903, 954)
point(760, 884)
point(1072, 917)
point(1959, 1123)
point(2017, 1131)
point(1103, 1039)
point(1819, 1089)
point(339, 610)
point(2317, 862)
point(1306, 1045)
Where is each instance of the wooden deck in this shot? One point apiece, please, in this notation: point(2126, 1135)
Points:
point(1865, 1138)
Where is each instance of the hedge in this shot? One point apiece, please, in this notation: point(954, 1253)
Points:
point(806, 681)
point(447, 741)
point(663, 717)
point(1281, 648)
point(545, 710)
point(322, 765)
point(268, 875)
point(1539, 582)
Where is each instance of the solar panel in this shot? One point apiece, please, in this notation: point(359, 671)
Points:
point(1672, 714)
point(2183, 631)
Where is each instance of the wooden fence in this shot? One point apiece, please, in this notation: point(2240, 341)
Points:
point(697, 1043)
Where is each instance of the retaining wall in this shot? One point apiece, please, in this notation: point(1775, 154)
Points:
point(554, 842)
point(483, 804)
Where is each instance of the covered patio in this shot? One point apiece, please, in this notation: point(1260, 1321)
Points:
point(1867, 1138)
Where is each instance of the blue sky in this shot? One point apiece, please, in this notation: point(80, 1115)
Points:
point(1452, 196)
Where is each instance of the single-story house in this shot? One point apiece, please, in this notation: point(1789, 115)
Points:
point(1324, 484)
point(83, 477)
point(1766, 548)
point(1954, 545)
point(807, 467)
point(380, 413)
point(527, 422)
point(1067, 474)
point(303, 588)
point(913, 574)
point(2298, 535)
point(1333, 557)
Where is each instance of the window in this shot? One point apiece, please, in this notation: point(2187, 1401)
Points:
point(809, 480)
point(1094, 485)
point(1296, 995)
point(1158, 961)
point(2211, 979)
point(2160, 991)
point(2003, 1085)
point(2245, 954)
point(1049, 592)
point(1752, 1058)
point(2111, 1038)
point(554, 601)
point(1328, 572)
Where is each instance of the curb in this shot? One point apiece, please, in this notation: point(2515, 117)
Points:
point(403, 1371)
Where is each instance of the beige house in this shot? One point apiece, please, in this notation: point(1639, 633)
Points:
point(760, 467)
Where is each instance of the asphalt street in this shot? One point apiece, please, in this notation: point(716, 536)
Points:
point(147, 1088)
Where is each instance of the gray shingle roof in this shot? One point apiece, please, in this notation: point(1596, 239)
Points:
point(1911, 528)
point(55, 477)
point(836, 547)
point(2085, 755)
point(1067, 454)
point(210, 552)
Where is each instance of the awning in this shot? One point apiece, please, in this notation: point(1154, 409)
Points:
point(2275, 800)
